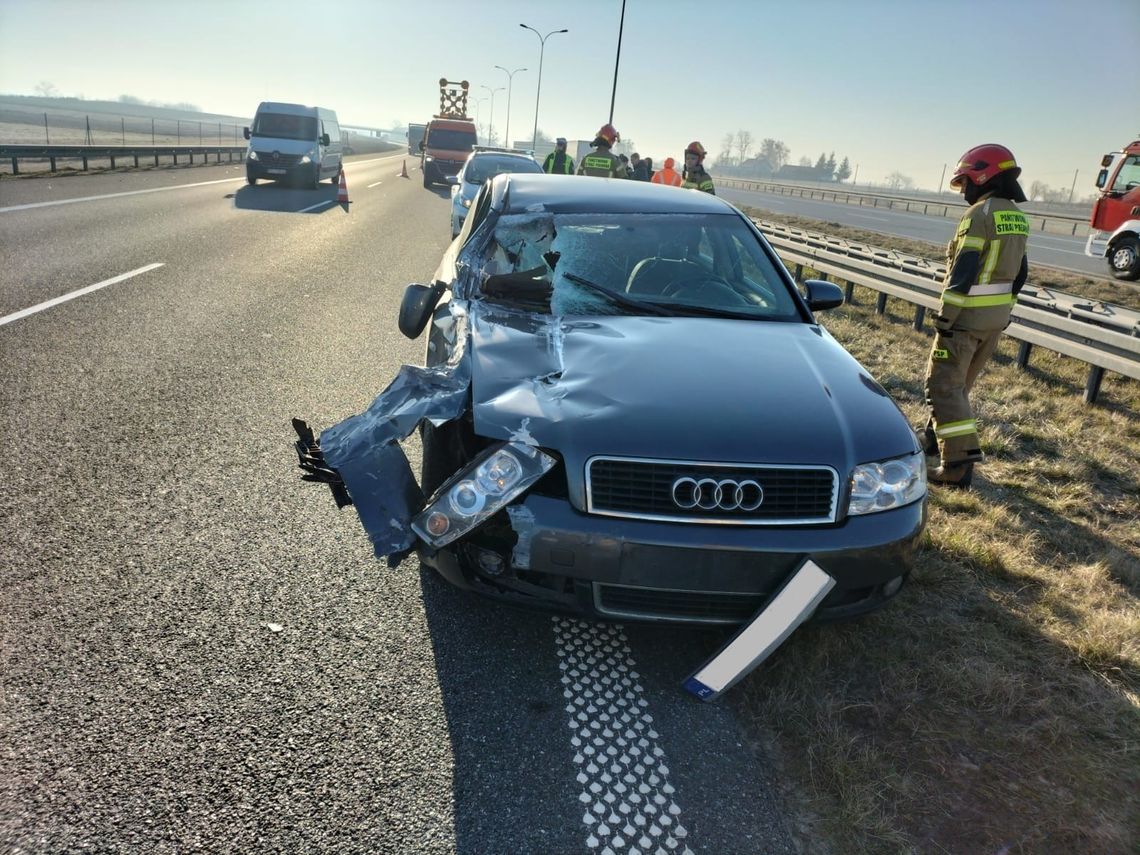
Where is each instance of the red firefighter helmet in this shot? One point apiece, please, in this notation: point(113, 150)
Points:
point(983, 163)
point(696, 148)
point(608, 133)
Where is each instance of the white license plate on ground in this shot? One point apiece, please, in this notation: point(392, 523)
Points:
point(276, 171)
point(756, 640)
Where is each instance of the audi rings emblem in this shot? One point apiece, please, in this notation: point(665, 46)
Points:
point(710, 494)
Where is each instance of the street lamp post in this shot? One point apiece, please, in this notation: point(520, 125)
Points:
point(538, 92)
point(491, 121)
point(510, 85)
point(478, 113)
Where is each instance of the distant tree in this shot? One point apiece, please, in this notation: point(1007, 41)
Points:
point(543, 137)
point(131, 99)
point(1038, 190)
point(805, 161)
point(726, 146)
point(822, 162)
point(898, 181)
point(723, 159)
point(775, 151)
point(831, 167)
point(396, 123)
point(844, 171)
point(743, 144)
point(46, 89)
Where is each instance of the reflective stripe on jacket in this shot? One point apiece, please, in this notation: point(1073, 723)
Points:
point(698, 179)
point(602, 164)
point(986, 265)
point(559, 162)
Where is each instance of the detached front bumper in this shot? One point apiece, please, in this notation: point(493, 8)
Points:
point(548, 554)
point(1097, 244)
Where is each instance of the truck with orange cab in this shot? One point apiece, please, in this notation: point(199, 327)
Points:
point(1115, 218)
point(450, 135)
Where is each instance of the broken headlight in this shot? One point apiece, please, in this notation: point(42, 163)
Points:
point(887, 484)
point(482, 489)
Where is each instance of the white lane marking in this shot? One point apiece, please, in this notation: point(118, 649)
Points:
point(318, 205)
point(627, 798)
point(39, 307)
point(117, 195)
point(377, 184)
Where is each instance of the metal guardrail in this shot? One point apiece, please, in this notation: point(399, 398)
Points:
point(1050, 223)
point(86, 153)
point(1103, 335)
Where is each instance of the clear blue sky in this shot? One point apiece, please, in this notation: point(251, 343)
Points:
point(903, 85)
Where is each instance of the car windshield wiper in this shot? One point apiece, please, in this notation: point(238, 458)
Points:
point(709, 311)
point(619, 298)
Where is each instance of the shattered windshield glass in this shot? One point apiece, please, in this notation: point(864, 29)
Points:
point(608, 264)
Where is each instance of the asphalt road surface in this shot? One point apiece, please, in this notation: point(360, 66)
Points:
point(1067, 253)
point(198, 652)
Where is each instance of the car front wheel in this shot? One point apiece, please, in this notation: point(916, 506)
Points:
point(1124, 259)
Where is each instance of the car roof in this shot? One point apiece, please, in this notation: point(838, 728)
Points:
point(569, 194)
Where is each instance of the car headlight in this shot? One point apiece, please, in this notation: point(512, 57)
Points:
point(307, 157)
point(428, 158)
point(495, 478)
point(887, 484)
point(252, 154)
point(466, 203)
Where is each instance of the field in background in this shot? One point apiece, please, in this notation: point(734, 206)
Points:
point(994, 706)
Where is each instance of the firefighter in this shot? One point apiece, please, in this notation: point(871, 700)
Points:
point(668, 175)
point(558, 161)
point(694, 176)
point(986, 267)
point(602, 162)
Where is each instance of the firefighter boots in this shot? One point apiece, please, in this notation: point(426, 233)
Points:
point(958, 475)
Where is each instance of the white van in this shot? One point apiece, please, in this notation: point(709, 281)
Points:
point(291, 142)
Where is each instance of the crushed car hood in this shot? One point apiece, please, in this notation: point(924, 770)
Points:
point(704, 389)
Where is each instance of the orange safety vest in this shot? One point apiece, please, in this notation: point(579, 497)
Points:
point(668, 175)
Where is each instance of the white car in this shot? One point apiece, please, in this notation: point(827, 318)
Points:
point(483, 163)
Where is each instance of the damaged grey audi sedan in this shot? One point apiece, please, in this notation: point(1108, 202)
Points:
point(628, 410)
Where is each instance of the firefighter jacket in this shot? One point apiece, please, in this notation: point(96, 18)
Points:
point(603, 164)
point(698, 179)
point(986, 266)
point(668, 175)
point(559, 163)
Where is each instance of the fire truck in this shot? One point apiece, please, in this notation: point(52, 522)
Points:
point(1115, 218)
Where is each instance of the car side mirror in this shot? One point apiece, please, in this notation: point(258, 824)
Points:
point(245, 132)
point(823, 295)
point(325, 139)
point(1101, 178)
point(416, 307)
point(452, 179)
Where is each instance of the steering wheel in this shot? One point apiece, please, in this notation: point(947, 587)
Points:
point(712, 288)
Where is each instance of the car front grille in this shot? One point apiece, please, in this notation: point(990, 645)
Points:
point(644, 489)
point(267, 158)
point(697, 606)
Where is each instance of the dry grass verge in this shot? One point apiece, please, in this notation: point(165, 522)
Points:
point(994, 707)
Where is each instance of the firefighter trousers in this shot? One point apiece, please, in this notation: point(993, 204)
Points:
point(956, 360)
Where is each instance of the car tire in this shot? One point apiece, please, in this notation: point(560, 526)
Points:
point(1124, 258)
point(427, 181)
point(251, 180)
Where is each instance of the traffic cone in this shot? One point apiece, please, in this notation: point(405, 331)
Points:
point(404, 169)
point(342, 191)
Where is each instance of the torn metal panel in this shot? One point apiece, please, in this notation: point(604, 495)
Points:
point(523, 522)
point(364, 449)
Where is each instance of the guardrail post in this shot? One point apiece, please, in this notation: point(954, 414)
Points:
point(1023, 354)
point(156, 158)
point(52, 160)
point(112, 161)
point(15, 166)
point(136, 160)
point(175, 155)
point(881, 304)
point(849, 296)
point(84, 159)
point(799, 272)
point(1092, 385)
point(919, 316)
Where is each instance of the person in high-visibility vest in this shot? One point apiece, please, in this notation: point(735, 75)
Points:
point(602, 162)
point(558, 161)
point(695, 177)
point(986, 268)
point(667, 175)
